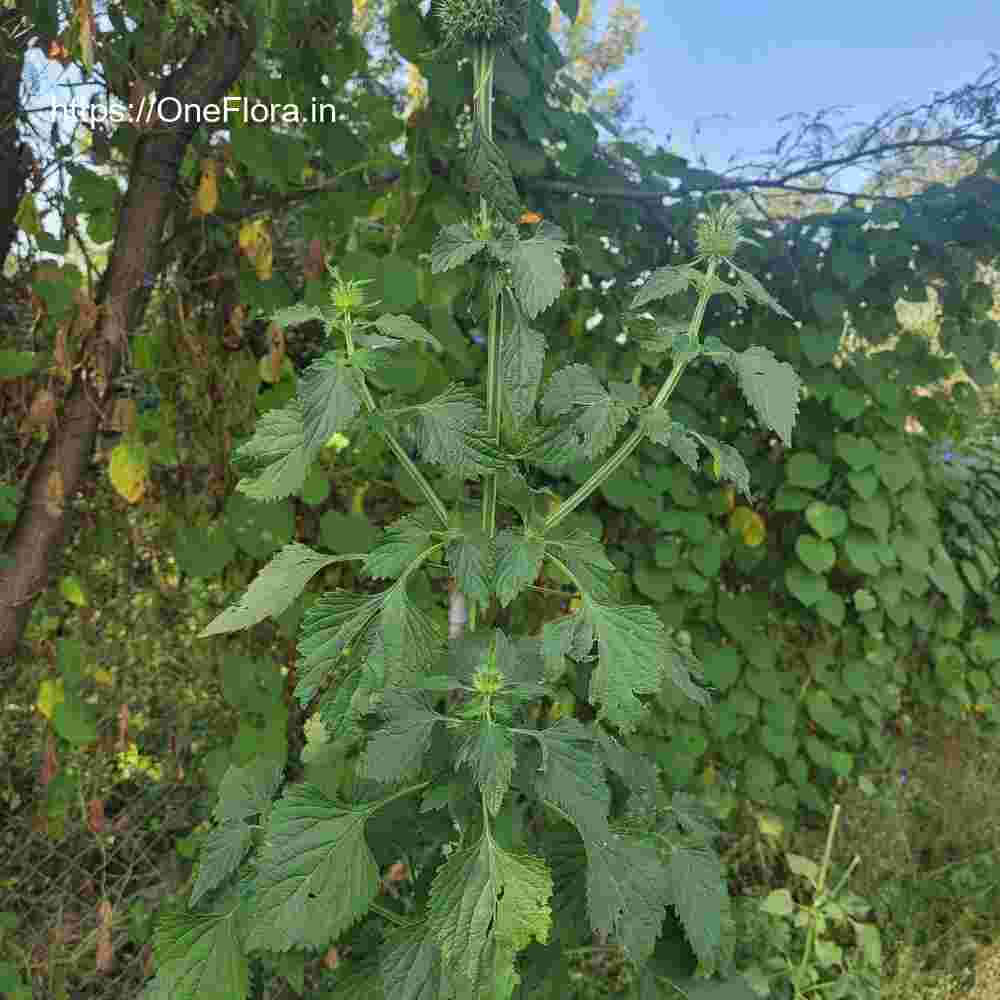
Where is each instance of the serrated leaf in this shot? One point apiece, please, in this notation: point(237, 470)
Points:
point(299, 313)
point(316, 875)
point(521, 359)
point(665, 431)
point(393, 636)
point(572, 776)
point(220, 855)
point(598, 416)
point(519, 559)
point(489, 752)
point(756, 291)
point(584, 556)
point(663, 282)
point(404, 328)
point(454, 246)
point(451, 432)
point(489, 173)
point(402, 544)
point(635, 656)
point(571, 636)
point(247, 791)
point(537, 272)
point(472, 561)
point(330, 399)
point(199, 957)
point(628, 890)
point(770, 386)
point(410, 965)
point(275, 457)
point(397, 749)
point(274, 589)
point(727, 463)
point(699, 897)
point(486, 905)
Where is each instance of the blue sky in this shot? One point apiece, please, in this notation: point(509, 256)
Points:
point(759, 61)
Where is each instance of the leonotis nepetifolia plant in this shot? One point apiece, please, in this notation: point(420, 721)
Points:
point(524, 834)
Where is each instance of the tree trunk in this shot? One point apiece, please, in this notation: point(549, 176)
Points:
point(203, 80)
point(14, 158)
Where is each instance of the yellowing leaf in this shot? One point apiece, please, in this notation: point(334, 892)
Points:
point(264, 258)
point(72, 591)
point(50, 694)
point(358, 502)
point(770, 826)
point(103, 677)
point(749, 524)
point(207, 197)
point(249, 233)
point(129, 470)
point(27, 216)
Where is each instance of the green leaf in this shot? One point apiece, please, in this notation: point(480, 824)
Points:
point(397, 750)
point(244, 792)
point(826, 520)
point(299, 313)
point(276, 456)
point(75, 720)
point(663, 282)
point(806, 470)
point(486, 905)
point(395, 637)
point(330, 399)
point(451, 432)
point(519, 559)
point(584, 556)
point(221, 853)
point(199, 957)
point(770, 386)
point(489, 752)
point(598, 416)
point(472, 561)
point(858, 452)
point(665, 431)
point(699, 898)
point(635, 657)
point(489, 174)
point(537, 271)
point(817, 554)
point(628, 889)
point(402, 544)
point(410, 965)
point(316, 875)
point(454, 246)
point(521, 359)
point(808, 587)
point(756, 291)
point(727, 463)
point(404, 328)
point(274, 589)
point(572, 776)
point(247, 791)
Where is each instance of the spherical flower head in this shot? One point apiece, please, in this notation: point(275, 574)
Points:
point(480, 22)
point(717, 236)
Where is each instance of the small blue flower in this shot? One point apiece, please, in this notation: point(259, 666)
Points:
point(478, 338)
point(148, 280)
point(948, 455)
point(904, 776)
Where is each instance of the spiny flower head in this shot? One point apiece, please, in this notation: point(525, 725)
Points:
point(480, 22)
point(717, 236)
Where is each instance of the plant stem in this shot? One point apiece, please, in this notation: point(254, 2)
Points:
point(635, 438)
point(397, 448)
